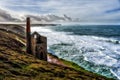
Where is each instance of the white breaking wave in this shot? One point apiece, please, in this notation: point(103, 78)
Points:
point(97, 50)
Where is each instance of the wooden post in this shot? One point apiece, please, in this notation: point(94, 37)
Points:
point(28, 36)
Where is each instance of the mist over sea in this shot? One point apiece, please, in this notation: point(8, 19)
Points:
point(94, 47)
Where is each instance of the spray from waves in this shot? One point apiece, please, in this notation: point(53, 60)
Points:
point(97, 54)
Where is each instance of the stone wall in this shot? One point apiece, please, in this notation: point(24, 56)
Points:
point(39, 46)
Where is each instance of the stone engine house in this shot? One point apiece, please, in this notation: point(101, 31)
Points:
point(39, 46)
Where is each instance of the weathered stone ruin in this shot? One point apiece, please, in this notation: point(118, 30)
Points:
point(36, 44)
point(39, 46)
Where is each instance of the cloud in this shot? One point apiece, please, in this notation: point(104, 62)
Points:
point(86, 10)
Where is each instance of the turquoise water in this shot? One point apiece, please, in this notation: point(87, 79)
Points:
point(94, 47)
point(95, 30)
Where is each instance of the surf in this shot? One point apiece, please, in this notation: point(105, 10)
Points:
point(94, 53)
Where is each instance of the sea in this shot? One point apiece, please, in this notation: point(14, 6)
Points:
point(94, 47)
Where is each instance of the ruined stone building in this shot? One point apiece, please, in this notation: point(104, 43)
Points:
point(36, 44)
point(39, 46)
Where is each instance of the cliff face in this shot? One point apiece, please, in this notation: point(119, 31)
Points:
point(15, 64)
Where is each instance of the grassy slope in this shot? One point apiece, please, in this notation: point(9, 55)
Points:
point(71, 65)
point(15, 64)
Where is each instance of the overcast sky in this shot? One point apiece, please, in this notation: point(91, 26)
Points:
point(86, 10)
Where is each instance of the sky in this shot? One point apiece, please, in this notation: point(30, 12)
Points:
point(85, 10)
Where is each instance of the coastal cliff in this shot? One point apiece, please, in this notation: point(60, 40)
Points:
point(15, 64)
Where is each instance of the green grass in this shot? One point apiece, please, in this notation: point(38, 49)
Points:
point(15, 64)
point(77, 67)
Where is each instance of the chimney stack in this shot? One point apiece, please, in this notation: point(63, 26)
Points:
point(28, 36)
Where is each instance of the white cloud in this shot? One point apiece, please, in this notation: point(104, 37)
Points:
point(86, 10)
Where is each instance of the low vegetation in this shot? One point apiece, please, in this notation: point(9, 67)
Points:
point(15, 64)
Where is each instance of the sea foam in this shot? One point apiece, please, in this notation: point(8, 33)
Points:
point(83, 50)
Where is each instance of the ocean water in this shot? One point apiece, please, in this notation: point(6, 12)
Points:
point(94, 47)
